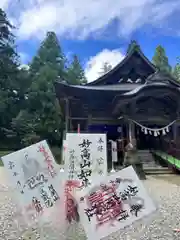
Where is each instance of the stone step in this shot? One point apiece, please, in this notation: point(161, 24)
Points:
point(157, 170)
point(147, 162)
point(150, 166)
point(145, 155)
point(143, 151)
point(146, 158)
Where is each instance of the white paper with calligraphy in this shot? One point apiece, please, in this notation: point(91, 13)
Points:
point(36, 176)
point(86, 157)
point(119, 200)
point(114, 151)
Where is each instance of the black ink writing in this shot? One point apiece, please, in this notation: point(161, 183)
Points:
point(100, 148)
point(100, 172)
point(135, 208)
point(37, 205)
point(21, 187)
point(33, 182)
point(129, 192)
point(46, 198)
point(85, 153)
point(85, 144)
point(71, 165)
point(100, 141)
point(84, 174)
point(11, 165)
point(118, 180)
point(85, 165)
point(100, 160)
point(15, 174)
point(53, 193)
point(123, 215)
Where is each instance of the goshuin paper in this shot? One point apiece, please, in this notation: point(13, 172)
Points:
point(35, 174)
point(115, 202)
point(86, 157)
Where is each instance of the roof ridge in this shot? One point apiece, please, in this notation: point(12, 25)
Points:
point(127, 56)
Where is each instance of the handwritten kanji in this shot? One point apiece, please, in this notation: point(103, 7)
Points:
point(37, 205)
point(11, 165)
point(53, 192)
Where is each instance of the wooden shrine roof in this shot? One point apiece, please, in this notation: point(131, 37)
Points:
point(64, 90)
point(133, 79)
point(115, 99)
point(132, 61)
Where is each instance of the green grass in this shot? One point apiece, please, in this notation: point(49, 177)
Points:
point(3, 153)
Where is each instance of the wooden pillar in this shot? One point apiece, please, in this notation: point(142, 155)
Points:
point(176, 124)
point(131, 131)
point(131, 125)
point(89, 121)
point(70, 124)
point(67, 114)
point(174, 131)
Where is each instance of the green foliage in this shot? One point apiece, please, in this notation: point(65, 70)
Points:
point(42, 117)
point(29, 109)
point(160, 60)
point(51, 55)
point(57, 153)
point(75, 73)
point(24, 126)
point(176, 70)
point(10, 75)
point(133, 46)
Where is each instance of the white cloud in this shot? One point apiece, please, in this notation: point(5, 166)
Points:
point(81, 18)
point(95, 63)
point(4, 4)
point(37, 21)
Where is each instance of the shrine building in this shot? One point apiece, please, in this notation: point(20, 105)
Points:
point(132, 101)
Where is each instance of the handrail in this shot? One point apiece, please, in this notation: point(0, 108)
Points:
point(170, 152)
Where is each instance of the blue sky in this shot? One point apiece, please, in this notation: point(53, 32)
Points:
point(96, 30)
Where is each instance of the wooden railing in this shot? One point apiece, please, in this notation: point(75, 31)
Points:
point(172, 148)
point(169, 151)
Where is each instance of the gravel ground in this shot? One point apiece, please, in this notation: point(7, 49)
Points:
point(159, 226)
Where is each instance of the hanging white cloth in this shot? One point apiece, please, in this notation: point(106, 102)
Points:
point(114, 151)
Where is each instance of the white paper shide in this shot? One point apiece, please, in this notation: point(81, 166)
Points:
point(35, 175)
point(86, 157)
point(115, 202)
point(114, 151)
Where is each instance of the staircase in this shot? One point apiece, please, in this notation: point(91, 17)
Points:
point(149, 164)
